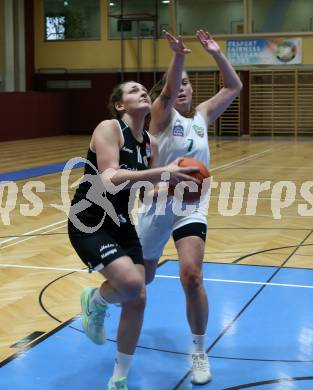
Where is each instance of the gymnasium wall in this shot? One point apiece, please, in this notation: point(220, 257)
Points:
point(86, 107)
point(102, 55)
point(222, 19)
point(99, 62)
point(1, 45)
point(282, 15)
point(33, 114)
point(105, 54)
point(96, 62)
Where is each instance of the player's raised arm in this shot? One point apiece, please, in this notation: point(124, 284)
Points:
point(166, 90)
point(215, 106)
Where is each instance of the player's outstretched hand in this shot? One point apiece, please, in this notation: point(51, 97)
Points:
point(177, 45)
point(208, 42)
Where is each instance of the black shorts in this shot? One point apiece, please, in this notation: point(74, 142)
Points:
point(99, 249)
point(191, 229)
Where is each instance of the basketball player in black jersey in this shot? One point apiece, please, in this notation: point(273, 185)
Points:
point(121, 153)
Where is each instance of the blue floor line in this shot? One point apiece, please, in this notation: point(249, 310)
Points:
point(28, 173)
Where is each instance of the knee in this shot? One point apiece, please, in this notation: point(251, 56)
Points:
point(191, 280)
point(137, 305)
point(132, 286)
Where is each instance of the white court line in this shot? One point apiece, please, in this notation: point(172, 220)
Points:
point(243, 282)
point(56, 223)
point(162, 276)
point(229, 165)
point(32, 231)
point(29, 238)
point(257, 215)
point(254, 197)
point(43, 268)
point(280, 167)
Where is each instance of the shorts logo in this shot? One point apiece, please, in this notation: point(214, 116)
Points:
point(108, 249)
point(178, 129)
point(199, 130)
point(107, 246)
point(108, 253)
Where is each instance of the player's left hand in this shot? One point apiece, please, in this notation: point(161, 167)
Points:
point(208, 42)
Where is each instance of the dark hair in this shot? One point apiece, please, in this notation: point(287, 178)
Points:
point(156, 90)
point(116, 97)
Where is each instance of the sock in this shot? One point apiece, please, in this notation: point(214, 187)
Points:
point(198, 342)
point(98, 298)
point(122, 365)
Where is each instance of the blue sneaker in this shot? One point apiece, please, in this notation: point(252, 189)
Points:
point(93, 316)
point(119, 384)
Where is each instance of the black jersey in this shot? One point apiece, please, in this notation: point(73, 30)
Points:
point(133, 156)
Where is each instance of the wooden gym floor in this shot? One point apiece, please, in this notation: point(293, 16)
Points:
point(39, 286)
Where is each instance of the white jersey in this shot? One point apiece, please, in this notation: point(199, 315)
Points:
point(184, 137)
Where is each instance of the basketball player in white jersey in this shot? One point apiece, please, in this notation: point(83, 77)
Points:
point(183, 133)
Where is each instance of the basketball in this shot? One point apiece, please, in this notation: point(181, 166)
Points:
point(204, 173)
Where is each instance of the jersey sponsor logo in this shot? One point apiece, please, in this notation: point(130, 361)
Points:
point(178, 130)
point(127, 150)
point(125, 166)
point(199, 130)
point(148, 150)
point(139, 156)
point(121, 218)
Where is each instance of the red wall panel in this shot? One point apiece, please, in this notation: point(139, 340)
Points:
point(88, 107)
point(69, 111)
point(33, 114)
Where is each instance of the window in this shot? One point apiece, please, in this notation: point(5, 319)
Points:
point(215, 16)
point(55, 27)
point(137, 18)
point(72, 19)
point(282, 16)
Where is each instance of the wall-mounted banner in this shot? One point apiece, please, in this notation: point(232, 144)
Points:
point(265, 51)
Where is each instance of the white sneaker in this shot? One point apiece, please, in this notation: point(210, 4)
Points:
point(119, 384)
point(201, 372)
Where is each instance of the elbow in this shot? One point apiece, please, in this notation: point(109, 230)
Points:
point(237, 89)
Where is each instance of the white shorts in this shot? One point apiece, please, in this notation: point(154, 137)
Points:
point(154, 227)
